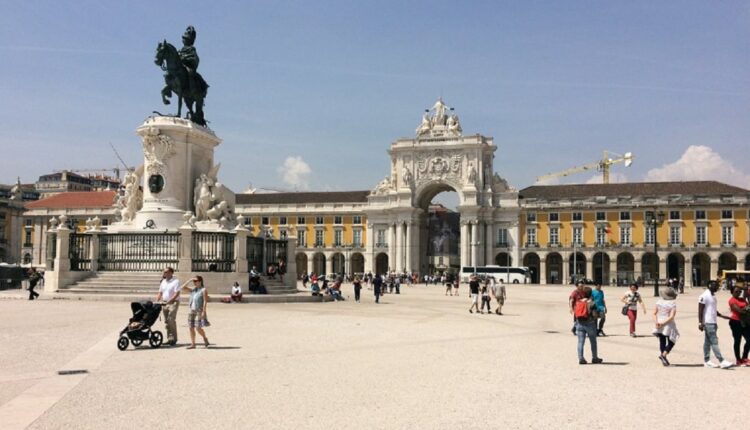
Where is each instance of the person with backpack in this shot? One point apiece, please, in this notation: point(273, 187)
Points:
point(631, 300)
point(585, 313)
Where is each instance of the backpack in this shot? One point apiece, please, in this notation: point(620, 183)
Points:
point(581, 310)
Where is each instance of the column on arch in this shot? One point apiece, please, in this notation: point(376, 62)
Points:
point(398, 264)
point(409, 248)
point(542, 269)
point(392, 246)
point(488, 245)
point(474, 227)
point(329, 264)
point(464, 252)
point(612, 270)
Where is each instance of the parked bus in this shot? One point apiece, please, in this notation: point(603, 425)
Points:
point(736, 277)
point(509, 275)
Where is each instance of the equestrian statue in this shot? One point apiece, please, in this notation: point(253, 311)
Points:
point(182, 77)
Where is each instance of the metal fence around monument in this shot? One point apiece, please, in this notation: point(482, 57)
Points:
point(275, 251)
point(79, 252)
point(254, 252)
point(213, 252)
point(138, 252)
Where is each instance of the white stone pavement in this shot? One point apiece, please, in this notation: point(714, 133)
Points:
point(419, 360)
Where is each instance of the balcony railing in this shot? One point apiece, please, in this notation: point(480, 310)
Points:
point(502, 245)
point(729, 245)
point(532, 245)
point(381, 244)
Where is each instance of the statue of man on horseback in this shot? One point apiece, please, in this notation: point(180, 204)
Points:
point(182, 77)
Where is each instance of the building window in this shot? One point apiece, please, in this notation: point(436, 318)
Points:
point(601, 216)
point(700, 235)
point(105, 222)
point(502, 237)
point(727, 235)
point(357, 220)
point(577, 236)
point(248, 221)
point(554, 217)
point(674, 235)
point(577, 216)
point(531, 236)
point(301, 220)
point(554, 236)
point(264, 220)
point(318, 237)
point(319, 220)
point(282, 220)
point(338, 220)
point(27, 240)
point(357, 238)
point(302, 238)
point(381, 238)
point(282, 234)
point(649, 235)
point(726, 214)
point(28, 221)
point(624, 216)
point(674, 215)
point(601, 235)
point(531, 217)
point(337, 235)
point(625, 235)
point(700, 214)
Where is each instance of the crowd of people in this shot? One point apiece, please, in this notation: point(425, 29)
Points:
point(588, 308)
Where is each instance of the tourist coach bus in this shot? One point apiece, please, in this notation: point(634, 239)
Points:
point(509, 275)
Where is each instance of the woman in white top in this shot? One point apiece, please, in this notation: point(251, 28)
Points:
point(665, 327)
point(236, 292)
point(632, 299)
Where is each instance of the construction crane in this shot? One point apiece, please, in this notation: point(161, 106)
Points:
point(601, 166)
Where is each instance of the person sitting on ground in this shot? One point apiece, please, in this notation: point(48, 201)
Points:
point(335, 290)
point(236, 292)
point(271, 272)
point(315, 288)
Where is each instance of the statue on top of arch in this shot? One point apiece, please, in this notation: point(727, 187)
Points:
point(440, 123)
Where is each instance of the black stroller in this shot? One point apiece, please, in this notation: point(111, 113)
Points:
point(138, 329)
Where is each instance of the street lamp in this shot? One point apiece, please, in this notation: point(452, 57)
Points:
point(653, 220)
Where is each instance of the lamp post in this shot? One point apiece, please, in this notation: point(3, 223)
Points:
point(653, 220)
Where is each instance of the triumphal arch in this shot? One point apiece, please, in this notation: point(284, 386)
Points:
point(441, 158)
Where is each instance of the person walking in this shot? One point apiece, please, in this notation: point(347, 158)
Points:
point(281, 270)
point(632, 299)
point(665, 328)
point(498, 290)
point(486, 297)
point(573, 298)
point(377, 284)
point(448, 286)
point(707, 323)
point(197, 319)
point(34, 278)
point(474, 294)
point(738, 306)
point(169, 293)
point(597, 295)
point(584, 312)
point(357, 288)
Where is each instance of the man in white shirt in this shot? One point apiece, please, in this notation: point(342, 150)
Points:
point(707, 323)
point(169, 292)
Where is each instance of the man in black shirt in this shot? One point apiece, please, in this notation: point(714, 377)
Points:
point(474, 291)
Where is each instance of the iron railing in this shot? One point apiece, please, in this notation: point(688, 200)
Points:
point(213, 252)
point(275, 251)
point(254, 252)
point(79, 252)
point(134, 252)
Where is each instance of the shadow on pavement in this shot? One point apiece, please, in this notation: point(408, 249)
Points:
point(614, 363)
point(686, 365)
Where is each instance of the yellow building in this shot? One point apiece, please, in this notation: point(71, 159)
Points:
point(603, 231)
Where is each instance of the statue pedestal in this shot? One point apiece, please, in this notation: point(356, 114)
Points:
point(176, 152)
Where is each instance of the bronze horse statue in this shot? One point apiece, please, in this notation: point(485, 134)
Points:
point(177, 81)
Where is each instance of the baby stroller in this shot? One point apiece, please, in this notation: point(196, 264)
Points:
point(138, 329)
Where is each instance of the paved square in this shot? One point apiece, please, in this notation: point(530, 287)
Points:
point(419, 360)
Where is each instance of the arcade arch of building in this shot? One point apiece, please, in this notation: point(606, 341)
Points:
point(624, 266)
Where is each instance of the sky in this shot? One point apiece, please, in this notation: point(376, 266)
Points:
point(309, 95)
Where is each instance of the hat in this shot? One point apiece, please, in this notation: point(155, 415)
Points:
point(668, 293)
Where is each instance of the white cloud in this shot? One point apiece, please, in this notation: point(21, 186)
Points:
point(295, 173)
point(699, 163)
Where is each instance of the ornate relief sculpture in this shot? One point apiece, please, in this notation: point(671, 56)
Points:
point(131, 200)
point(157, 148)
point(209, 198)
point(440, 124)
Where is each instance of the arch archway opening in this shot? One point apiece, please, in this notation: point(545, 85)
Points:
point(554, 265)
point(531, 260)
point(503, 259)
point(675, 266)
point(601, 274)
point(338, 264)
point(319, 263)
point(625, 268)
point(649, 267)
point(440, 233)
point(701, 269)
point(357, 264)
point(577, 266)
point(301, 262)
point(727, 261)
point(381, 263)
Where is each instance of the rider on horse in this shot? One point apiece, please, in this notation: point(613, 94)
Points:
point(189, 57)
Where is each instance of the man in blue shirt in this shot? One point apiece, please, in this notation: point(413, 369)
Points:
point(598, 296)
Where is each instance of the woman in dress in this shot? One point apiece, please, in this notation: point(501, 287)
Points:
point(665, 328)
point(632, 299)
point(197, 316)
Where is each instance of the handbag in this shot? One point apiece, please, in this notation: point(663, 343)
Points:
point(625, 309)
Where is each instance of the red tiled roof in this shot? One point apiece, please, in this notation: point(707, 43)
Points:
point(74, 200)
